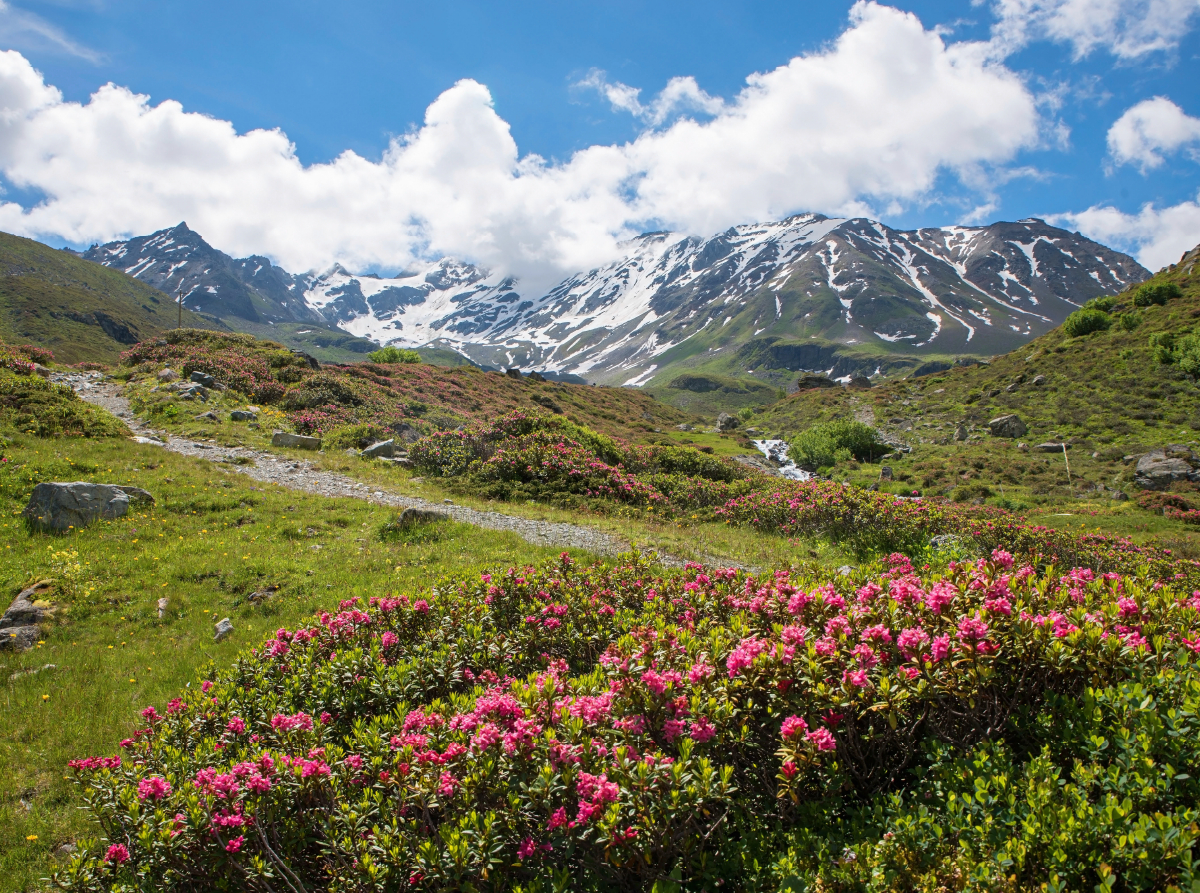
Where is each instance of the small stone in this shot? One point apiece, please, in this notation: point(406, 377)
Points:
point(961, 433)
point(209, 416)
point(448, 501)
point(1039, 380)
point(1051, 446)
point(384, 449)
point(845, 570)
point(413, 516)
point(65, 850)
point(202, 379)
point(40, 370)
point(683, 427)
point(167, 374)
point(299, 441)
point(241, 415)
point(1023, 447)
point(885, 473)
point(223, 629)
point(162, 607)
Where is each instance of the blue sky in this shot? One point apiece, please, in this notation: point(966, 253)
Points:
point(359, 77)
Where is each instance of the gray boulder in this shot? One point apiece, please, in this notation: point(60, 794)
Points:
point(726, 422)
point(1158, 469)
point(40, 370)
point(885, 472)
point(961, 433)
point(1007, 426)
point(209, 416)
point(384, 449)
point(167, 374)
point(1051, 446)
point(241, 415)
point(298, 441)
point(59, 506)
point(223, 629)
point(203, 379)
point(18, 638)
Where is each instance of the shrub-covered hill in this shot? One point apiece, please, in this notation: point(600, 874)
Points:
point(371, 400)
point(1127, 385)
point(80, 310)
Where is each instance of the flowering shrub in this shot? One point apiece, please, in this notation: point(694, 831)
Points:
point(528, 455)
point(15, 361)
point(594, 728)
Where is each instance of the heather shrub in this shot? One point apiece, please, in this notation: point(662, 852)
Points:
point(1107, 800)
point(1084, 322)
point(32, 405)
point(391, 354)
point(605, 728)
point(357, 436)
point(819, 446)
point(34, 354)
point(11, 360)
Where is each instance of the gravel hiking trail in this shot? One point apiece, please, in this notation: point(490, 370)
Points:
point(295, 475)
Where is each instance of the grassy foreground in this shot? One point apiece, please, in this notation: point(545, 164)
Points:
point(213, 538)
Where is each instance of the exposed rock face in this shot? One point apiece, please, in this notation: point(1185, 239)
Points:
point(1007, 426)
point(299, 441)
point(1158, 469)
point(19, 629)
point(60, 506)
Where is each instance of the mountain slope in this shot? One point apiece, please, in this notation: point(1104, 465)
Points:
point(79, 310)
point(809, 292)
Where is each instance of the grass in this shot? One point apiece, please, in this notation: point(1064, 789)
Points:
point(213, 538)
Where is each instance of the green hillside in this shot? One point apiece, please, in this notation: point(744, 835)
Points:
point(1110, 395)
point(80, 310)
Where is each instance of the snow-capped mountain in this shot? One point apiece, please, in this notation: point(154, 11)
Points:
point(178, 260)
point(786, 294)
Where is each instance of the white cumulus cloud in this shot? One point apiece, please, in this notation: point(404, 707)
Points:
point(1155, 236)
point(871, 120)
point(682, 94)
point(1150, 128)
point(1126, 28)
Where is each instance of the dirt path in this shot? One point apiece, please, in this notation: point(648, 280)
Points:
point(271, 468)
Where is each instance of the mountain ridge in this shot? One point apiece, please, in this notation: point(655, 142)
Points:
point(888, 298)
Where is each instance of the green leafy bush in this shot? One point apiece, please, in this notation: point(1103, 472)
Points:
point(358, 436)
point(1182, 350)
point(818, 446)
point(1155, 293)
point(1130, 320)
point(605, 728)
point(391, 354)
point(1105, 303)
point(1083, 322)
